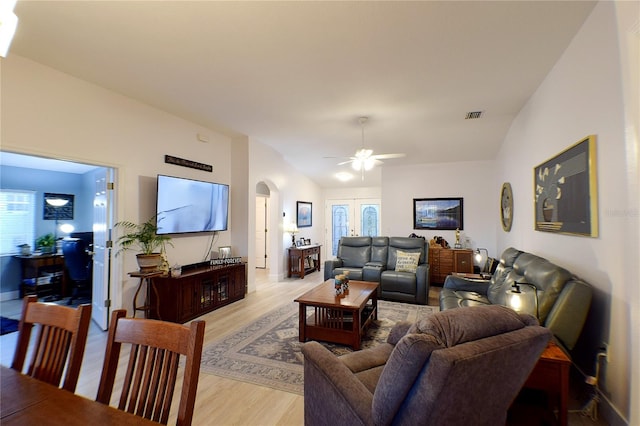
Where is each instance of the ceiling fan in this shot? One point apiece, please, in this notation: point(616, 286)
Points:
point(364, 159)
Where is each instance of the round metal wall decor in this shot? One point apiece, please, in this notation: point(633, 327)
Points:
point(506, 206)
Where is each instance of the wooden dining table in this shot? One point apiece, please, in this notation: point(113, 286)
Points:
point(27, 401)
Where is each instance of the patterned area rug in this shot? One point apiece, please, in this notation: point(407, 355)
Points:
point(267, 351)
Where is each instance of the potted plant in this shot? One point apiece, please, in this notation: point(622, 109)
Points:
point(46, 243)
point(143, 236)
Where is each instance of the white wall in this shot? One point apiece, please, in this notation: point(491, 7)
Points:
point(582, 95)
point(474, 181)
point(49, 113)
point(287, 186)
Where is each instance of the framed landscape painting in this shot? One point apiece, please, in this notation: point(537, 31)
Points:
point(565, 195)
point(438, 213)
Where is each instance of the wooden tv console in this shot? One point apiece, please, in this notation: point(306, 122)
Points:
point(198, 291)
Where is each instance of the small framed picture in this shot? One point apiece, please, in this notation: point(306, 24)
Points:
point(299, 243)
point(224, 252)
point(307, 242)
point(304, 214)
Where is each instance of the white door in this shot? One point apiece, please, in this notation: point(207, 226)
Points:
point(261, 231)
point(102, 253)
point(359, 217)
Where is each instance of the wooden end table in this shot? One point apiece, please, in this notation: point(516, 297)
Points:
point(551, 374)
point(338, 319)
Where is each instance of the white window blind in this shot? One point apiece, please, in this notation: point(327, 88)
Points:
point(17, 219)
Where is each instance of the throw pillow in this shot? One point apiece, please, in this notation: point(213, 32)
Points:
point(407, 262)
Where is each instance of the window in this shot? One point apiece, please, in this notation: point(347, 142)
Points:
point(17, 219)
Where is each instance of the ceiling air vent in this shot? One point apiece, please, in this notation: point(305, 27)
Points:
point(472, 115)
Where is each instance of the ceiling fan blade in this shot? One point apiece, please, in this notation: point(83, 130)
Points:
point(387, 156)
point(345, 162)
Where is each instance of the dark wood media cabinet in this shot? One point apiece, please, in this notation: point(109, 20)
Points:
point(198, 291)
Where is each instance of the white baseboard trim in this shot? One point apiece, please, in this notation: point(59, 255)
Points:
point(9, 295)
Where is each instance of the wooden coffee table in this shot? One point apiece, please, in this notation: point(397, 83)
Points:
point(338, 319)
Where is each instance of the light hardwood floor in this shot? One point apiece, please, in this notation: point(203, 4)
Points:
point(223, 401)
point(219, 401)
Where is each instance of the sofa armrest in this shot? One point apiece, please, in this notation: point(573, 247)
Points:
point(329, 266)
point(332, 393)
point(398, 331)
point(568, 314)
point(453, 282)
point(422, 284)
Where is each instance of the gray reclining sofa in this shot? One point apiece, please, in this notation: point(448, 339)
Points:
point(560, 300)
point(375, 259)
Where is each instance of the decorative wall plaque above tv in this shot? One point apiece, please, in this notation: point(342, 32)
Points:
point(437, 213)
point(170, 159)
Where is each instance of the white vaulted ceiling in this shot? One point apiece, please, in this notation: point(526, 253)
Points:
point(297, 75)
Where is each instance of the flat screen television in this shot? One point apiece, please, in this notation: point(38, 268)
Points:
point(188, 206)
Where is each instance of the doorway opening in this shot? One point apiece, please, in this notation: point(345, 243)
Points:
point(92, 187)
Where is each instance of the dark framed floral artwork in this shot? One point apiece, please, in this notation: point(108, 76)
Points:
point(565, 191)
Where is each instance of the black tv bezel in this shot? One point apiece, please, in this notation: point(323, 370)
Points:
point(194, 180)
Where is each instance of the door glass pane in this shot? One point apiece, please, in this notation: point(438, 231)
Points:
point(339, 225)
point(369, 220)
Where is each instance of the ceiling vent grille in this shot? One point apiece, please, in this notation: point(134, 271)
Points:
point(473, 115)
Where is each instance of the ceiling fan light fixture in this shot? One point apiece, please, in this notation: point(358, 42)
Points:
point(357, 164)
point(369, 163)
point(363, 154)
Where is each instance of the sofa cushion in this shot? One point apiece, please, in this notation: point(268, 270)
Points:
point(398, 282)
point(355, 256)
point(379, 250)
point(409, 245)
point(548, 279)
point(406, 261)
point(450, 299)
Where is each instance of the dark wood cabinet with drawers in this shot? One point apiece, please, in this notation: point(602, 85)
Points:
point(197, 292)
point(443, 262)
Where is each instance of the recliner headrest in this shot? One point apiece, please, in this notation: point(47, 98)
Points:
point(456, 326)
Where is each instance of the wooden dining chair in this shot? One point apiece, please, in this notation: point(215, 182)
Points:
point(152, 367)
point(60, 341)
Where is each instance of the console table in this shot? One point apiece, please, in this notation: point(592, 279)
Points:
point(198, 291)
point(304, 260)
point(37, 267)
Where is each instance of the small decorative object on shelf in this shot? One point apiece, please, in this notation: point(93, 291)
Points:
point(338, 284)
point(176, 270)
point(345, 282)
point(457, 244)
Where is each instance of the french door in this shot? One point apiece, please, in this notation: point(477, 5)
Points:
point(102, 214)
point(356, 217)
